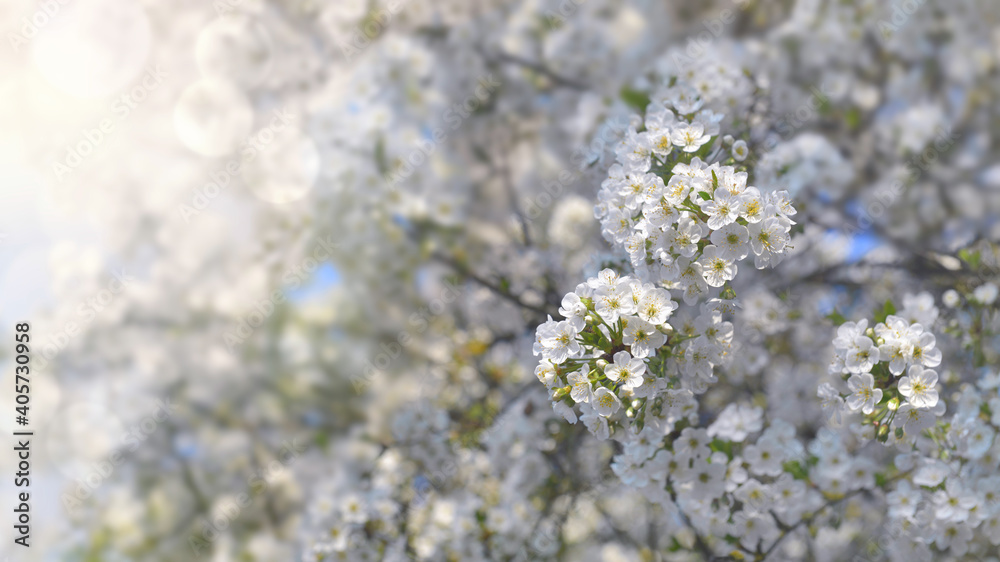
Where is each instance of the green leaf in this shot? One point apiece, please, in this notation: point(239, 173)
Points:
point(322, 439)
point(887, 310)
point(718, 445)
point(703, 152)
point(836, 317)
point(715, 181)
point(635, 98)
point(795, 469)
point(704, 194)
point(853, 118)
point(825, 107)
point(971, 258)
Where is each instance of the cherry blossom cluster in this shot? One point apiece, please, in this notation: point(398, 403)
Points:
point(950, 501)
point(615, 353)
point(597, 357)
point(888, 374)
point(682, 221)
point(741, 489)
point(684, 224)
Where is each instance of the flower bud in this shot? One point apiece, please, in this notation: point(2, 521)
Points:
point(601, 364)
point(893, 404)
point(883, 433)
point(560, 392)
point(899, 433)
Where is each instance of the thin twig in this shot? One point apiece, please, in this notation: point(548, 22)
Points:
point(464, 271)
point(558, 79)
